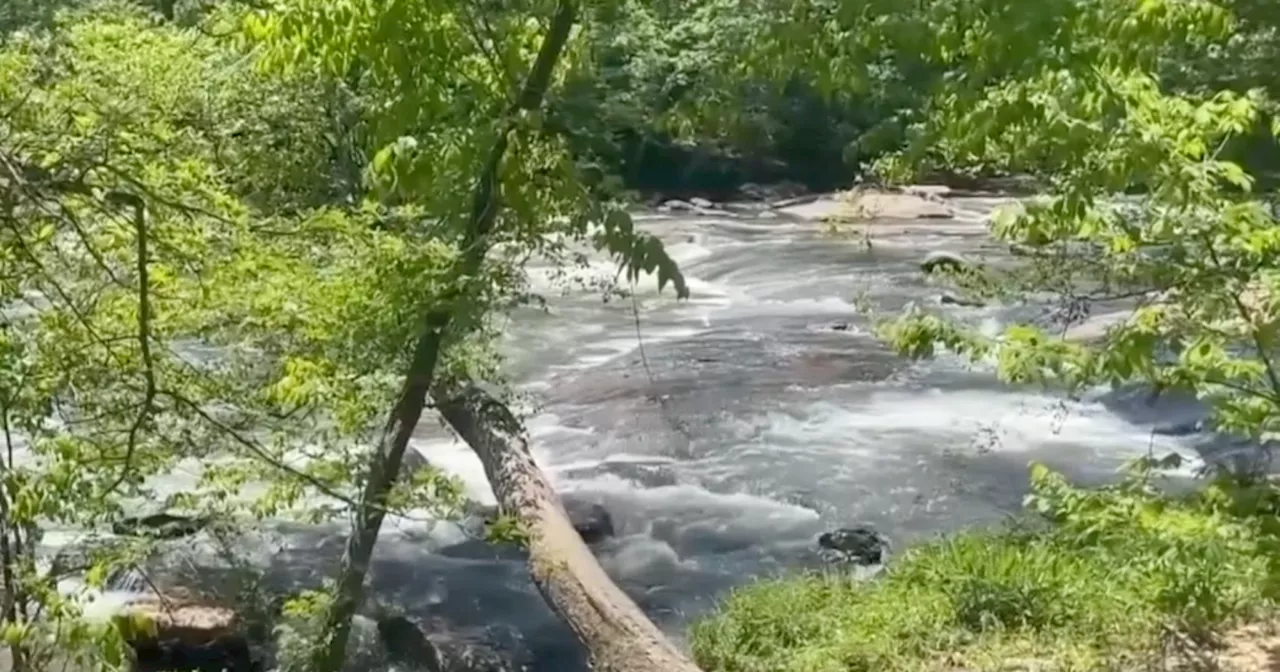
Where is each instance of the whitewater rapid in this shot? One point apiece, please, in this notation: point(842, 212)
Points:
point(724, 432)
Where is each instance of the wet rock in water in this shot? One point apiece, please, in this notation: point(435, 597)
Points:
point(656, 474)
point(943, 259)
point(675, 205)
point(1095, 327)
point(700, 202)
point(953, 300)
point(753, 191)
point(841, 326)
point(883, 205)
point(1183, 428)
point(436, 647)
point(793, 201)
point(929, 192)
point(590, 519)
point(159, 525)
point(405, 643)
point(170, 634)
point(856, 545)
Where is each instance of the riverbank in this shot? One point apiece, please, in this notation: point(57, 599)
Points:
point(1122, 578)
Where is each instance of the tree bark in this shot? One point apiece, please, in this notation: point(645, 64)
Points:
point(388, 454)
point(616, 633)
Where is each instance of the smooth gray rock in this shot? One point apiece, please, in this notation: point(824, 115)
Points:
point(941, 258)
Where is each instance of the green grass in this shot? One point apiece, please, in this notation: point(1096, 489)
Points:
point(1101, 587)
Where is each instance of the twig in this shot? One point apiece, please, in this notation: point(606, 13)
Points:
point(144, 337)
point(635, 314)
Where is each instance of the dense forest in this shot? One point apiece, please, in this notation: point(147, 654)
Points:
point(272, 238)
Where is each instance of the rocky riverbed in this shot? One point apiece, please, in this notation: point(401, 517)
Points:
point(756, 428)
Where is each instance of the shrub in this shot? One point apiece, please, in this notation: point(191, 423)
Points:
point(1114, 572)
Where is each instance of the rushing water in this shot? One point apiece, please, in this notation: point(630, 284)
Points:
point(724, 432)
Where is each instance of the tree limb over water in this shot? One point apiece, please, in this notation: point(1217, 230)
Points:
point(617, 634)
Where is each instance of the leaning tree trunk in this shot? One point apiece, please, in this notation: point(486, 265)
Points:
point(616, 633)
point(384, 464)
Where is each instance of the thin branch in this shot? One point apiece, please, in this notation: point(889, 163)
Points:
point(185, 209)
point(89, 247)
point(63, 294)
point(8, 609)
point(144, 337)
point(486, 47)
point(262, 454)
point(1272, 376)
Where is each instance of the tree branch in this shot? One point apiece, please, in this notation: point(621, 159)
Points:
point(144, 336)
point(387, 458)
point(616, 633)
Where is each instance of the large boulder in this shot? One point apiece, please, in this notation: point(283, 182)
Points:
point(853, 545)
point(177, 634)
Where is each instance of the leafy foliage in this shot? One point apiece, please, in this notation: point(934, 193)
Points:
point(1139, 145)
point(193, 278)
point(1105, 584)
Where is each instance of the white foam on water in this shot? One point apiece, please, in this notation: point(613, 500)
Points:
point(751, 509)
point(616, 458)
point(831, 305)
point(1025, 418)
point(98, 606)
point(844, 445)
point(457, 459)
point(857, 437)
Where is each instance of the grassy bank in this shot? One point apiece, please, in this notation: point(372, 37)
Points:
point(1115, 579)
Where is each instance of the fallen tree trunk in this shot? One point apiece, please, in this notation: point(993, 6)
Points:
point(389, 451)
point(616, 633)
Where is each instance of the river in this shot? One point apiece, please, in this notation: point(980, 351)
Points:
point(724, 432)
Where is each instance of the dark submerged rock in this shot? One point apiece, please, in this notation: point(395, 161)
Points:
point(590, 519)
point(1180, 428)
point(228, 654)
point(857, 545)
point(953, 300)
point(436, 647)
point(404, 642)
point(159, 525)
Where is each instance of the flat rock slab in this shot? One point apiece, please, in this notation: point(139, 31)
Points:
point(1095, 328)
point(870, 205)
